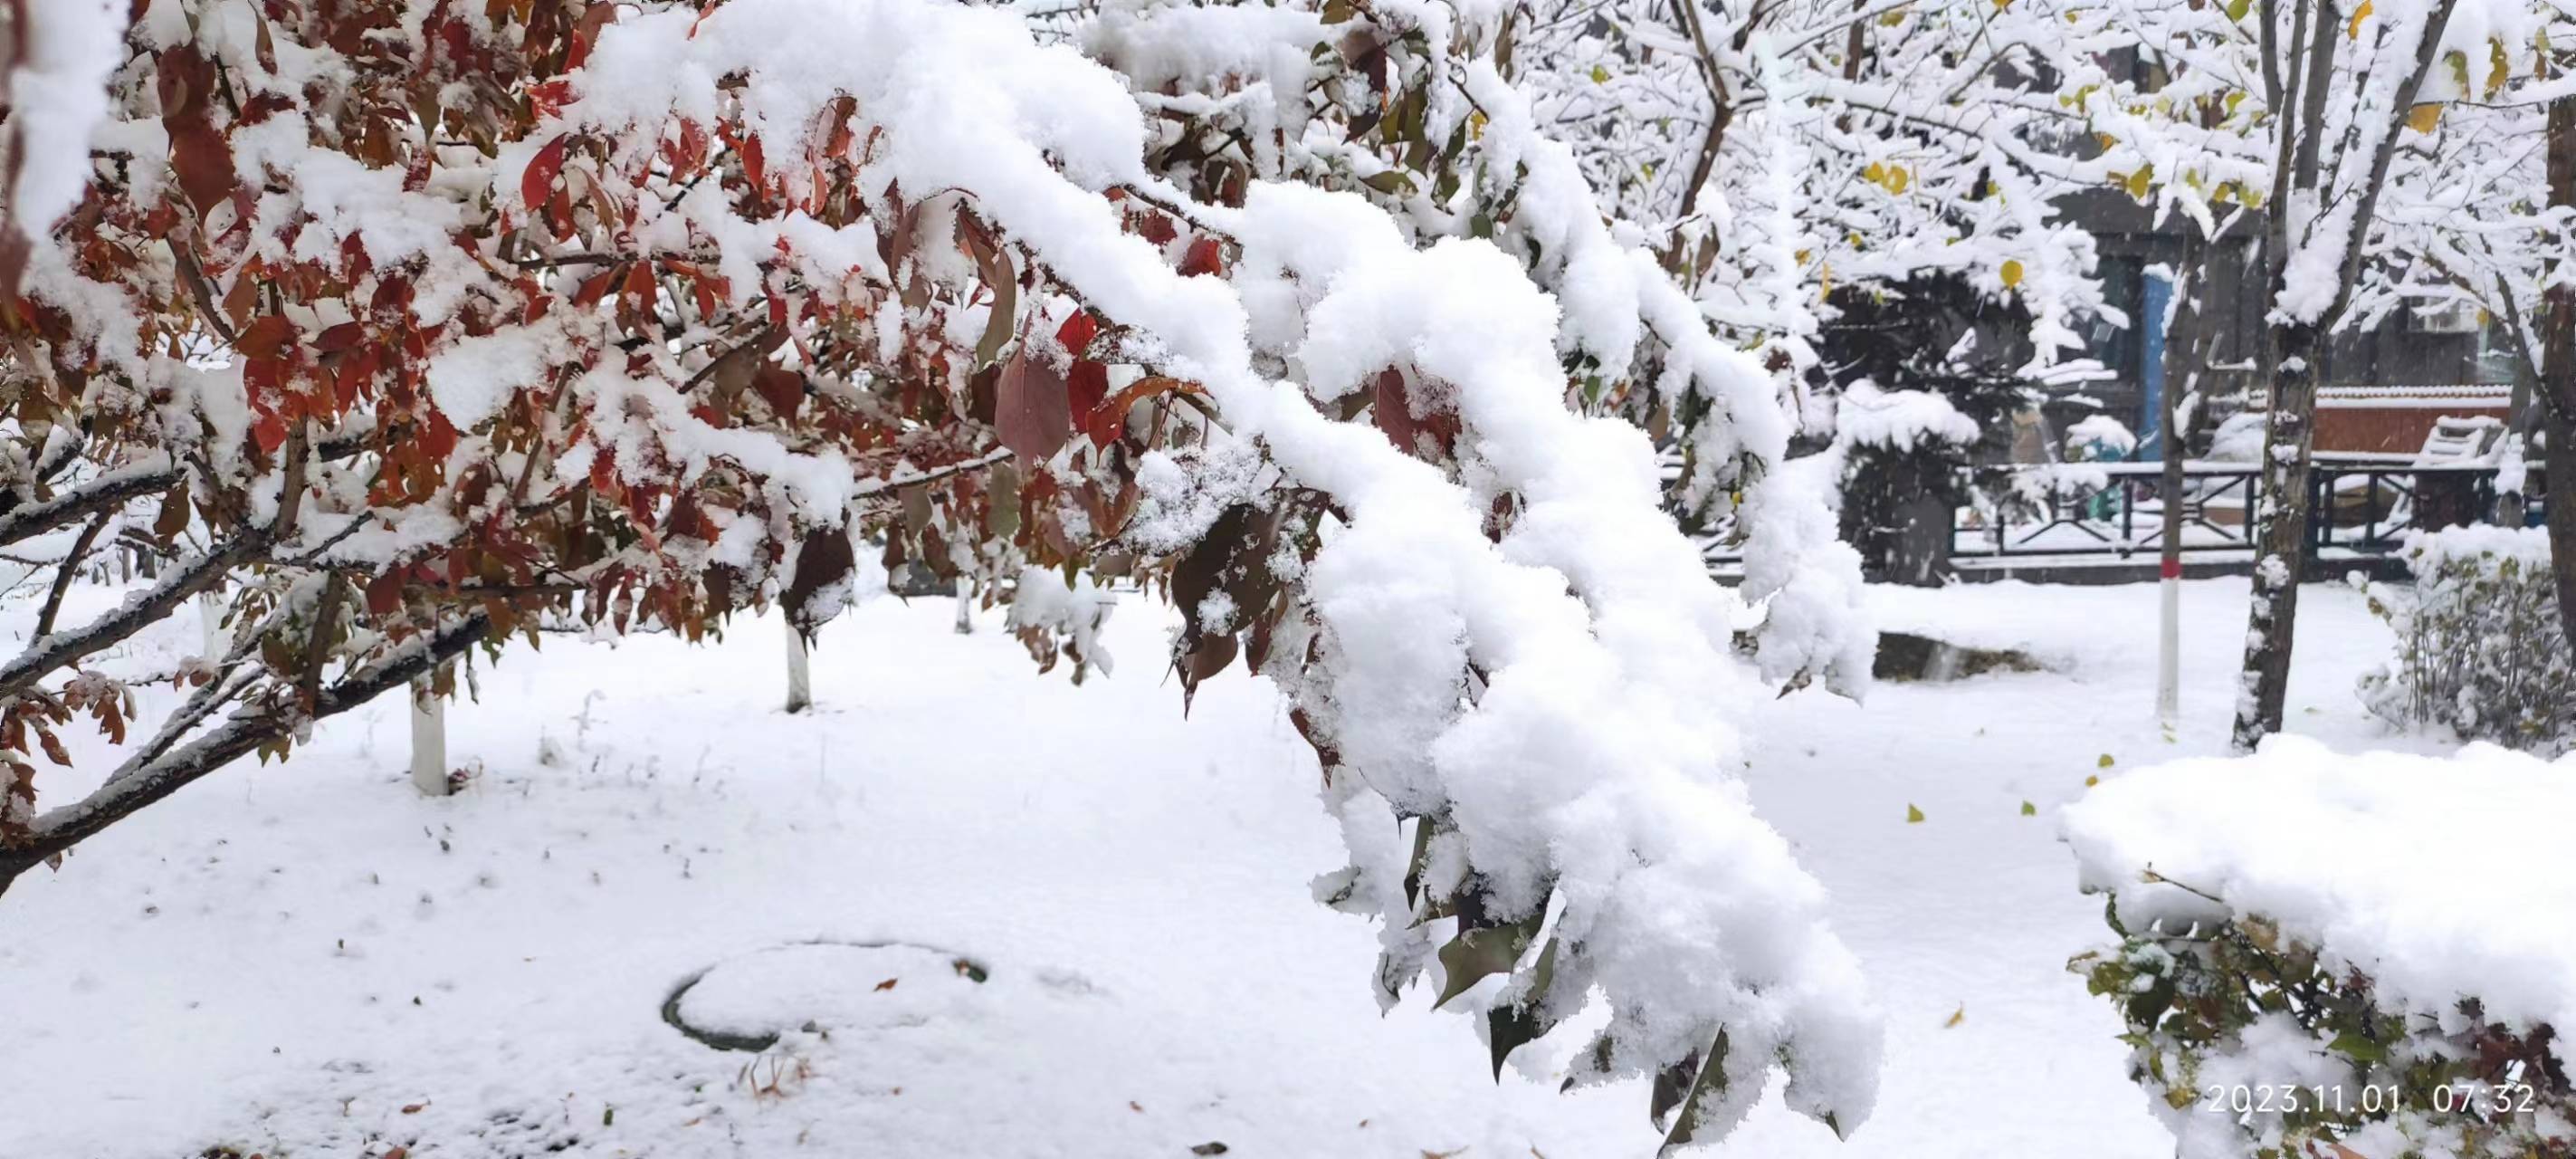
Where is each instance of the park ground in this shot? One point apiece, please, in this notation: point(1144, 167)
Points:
point(309, 959)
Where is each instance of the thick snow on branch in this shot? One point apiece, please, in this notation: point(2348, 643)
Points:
point(1557, 695)
point(56, 94)
point(2441, 879)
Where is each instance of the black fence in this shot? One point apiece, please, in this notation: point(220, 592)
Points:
point(2110, 512)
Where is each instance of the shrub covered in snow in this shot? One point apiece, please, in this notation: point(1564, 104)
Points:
point(2479, 646)
point(2320, 951)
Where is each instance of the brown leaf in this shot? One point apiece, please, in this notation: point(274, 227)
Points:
point(888, 984)
point(1032, 408)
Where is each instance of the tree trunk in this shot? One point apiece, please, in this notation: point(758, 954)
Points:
point(428, 740)
point(2297, 350)
point(2558, 379)
point(2181, 378)
point(800, 680)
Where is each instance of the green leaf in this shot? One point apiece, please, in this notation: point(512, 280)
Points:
point(1712, 1077)
point(1392, 182)
point(2029, 810)
point(1600, 75)
point(2354, 1046)
point(1513, 1024)
point(1471, 956)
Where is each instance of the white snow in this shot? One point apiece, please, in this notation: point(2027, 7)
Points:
point(238, 964)
point(57, 97)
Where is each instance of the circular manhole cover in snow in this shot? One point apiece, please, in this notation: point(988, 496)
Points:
point(747, 1002)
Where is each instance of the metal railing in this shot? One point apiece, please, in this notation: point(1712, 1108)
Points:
point(2356, 508)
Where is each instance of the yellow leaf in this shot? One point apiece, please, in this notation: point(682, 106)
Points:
point(2089, 782)
point(1894, 17)
point(2103, 761)
point(2499, 68)
point(2029, 810)
point(1876, 174)
point(1898, 179)
point(1956, 1016)
point(2424, 118)
point(2137, 182)
point(1913, 816)
point(2012, 273)
point(2352, 31)
point(1600, 75)
point(1476, 125)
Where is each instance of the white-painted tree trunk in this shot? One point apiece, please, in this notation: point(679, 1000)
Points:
point(800, 681)
point(2169, 651)
point(428, 740)
point(210, 619)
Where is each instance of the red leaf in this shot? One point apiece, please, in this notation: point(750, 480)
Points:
point(1157, 228)
point(549, 97)
point(586, 33)
point(203, 161)
point(603, 472)
point(783, 388)
point(1087, 389)
point(539, 180)
point(269, 432)
point(595, 287)
point(266, 337)
point(1031, 408)
point(384, 594)
point(1077, 332)
point(1393, 410)
point(1204, 258)
point(339, 338)
point(754, 167)
point(437, 437)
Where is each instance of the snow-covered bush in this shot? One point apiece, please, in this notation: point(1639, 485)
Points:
point(2321, 950)
point(436, 320)
point(1930, 373)
point(2479, 647)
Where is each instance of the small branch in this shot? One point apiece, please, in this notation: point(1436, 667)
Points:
point(869, 487)
point(63, 574)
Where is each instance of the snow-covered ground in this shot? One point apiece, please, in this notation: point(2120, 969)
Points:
point(309, 959)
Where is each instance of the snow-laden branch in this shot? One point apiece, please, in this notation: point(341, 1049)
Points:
point(157, 774)
point(1589, 769)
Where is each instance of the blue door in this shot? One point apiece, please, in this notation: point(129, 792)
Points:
point(2158, 302)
